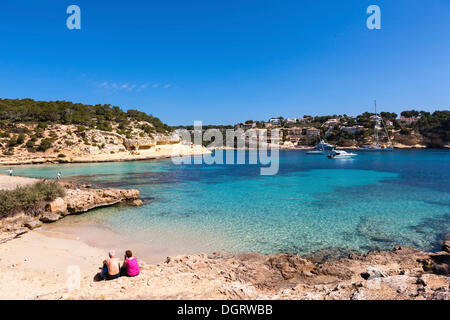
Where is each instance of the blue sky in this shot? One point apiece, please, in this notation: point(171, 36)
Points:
point(224, 62)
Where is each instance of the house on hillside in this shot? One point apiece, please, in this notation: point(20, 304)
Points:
point(352, 129)
point(295, 131)
point(303, 120)
point(275, 121)
point(312, 132)
point(291, 120)
point(245, 126)
point(408, 120)
point(332, 122)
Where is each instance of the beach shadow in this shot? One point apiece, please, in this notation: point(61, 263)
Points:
point(98, 277)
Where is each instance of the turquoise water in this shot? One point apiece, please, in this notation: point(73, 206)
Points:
point(372, 201)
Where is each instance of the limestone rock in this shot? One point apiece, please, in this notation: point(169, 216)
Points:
point(33, 224)
point(49, 217)
point(137, 202)
point(57, 206)
point(289, 265)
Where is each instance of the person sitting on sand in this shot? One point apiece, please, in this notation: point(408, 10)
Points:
point(130, 265)
point(111, 267)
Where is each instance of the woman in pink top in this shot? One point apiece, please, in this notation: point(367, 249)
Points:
point(130, 264)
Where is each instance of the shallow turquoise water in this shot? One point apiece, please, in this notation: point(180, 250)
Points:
point(372, 201)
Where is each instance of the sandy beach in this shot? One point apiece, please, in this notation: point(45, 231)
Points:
point(41, 265)
point(34, 266)
point(8, 183)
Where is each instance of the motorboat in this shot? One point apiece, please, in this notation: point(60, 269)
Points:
point(321, 148)
point(341, 154)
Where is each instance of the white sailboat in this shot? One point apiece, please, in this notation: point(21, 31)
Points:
point(376, 147)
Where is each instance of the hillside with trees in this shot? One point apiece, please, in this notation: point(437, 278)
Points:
point(99, 116)
point(32, 129)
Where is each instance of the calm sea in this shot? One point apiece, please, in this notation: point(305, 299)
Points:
point(376, 200)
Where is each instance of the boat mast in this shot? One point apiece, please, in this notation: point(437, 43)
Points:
point(376, 121)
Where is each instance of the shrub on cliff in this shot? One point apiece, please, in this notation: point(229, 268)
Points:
point(45, 144)
point(29, 199)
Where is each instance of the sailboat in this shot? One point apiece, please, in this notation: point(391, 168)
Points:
point(376, 147)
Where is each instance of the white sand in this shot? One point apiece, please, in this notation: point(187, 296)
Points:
point(34, 265)
point(7, 182)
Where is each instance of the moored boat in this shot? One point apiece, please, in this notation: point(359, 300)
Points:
point(321, 148)
point(341, 154)
point(376, 147)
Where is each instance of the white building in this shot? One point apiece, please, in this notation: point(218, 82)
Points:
point(409, 120)
point(275, 121)
point(353, 129)
point(332, 122)
point(312, 132)
point(303, 120)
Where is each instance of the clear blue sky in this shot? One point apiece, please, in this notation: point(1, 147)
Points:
point(224, 62)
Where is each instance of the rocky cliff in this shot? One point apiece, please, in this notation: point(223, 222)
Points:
point(78, 199)
point(72, 143)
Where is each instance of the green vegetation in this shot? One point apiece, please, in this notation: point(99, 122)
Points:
point(30, 199)
point(436, 123)
point(45, 144)
point(64, 112)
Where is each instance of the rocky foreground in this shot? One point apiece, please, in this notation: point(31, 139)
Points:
point(78, 199)
point(40, 266)
point(402, 274)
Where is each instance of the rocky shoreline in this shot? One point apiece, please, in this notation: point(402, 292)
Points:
point(401, 274)
point(78, 198)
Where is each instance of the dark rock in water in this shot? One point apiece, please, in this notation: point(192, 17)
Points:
point(377, 229)
point(380, 239)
